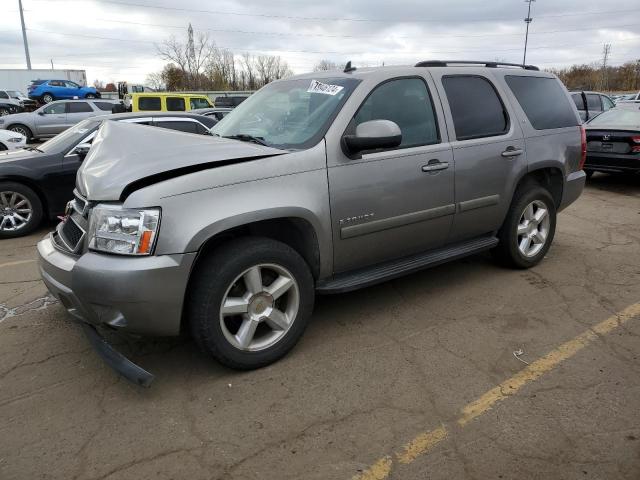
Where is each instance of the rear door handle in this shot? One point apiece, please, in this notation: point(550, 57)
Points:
point(512, 152)
point(435, 166)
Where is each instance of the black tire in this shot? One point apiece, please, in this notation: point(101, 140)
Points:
point(21, 129)
point(4, 111)
point(36, 208)
point(589, 173)
point(215, 276)
point(90, 96)
point(508, 251)
point(48, 98)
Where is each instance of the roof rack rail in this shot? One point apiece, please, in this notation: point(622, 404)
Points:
point(444, 63)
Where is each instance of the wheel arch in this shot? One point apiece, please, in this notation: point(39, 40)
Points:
point(11, 125)
point(549, 175)
point(27, 182)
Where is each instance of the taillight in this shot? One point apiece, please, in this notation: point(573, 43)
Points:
point(635, 139)
point(635, 148)
point(583, 147)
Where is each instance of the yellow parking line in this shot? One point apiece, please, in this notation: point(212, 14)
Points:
point(19, 262)
point(425, 441)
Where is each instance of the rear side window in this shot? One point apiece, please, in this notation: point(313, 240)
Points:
point(78, 107)
point(3, 95)
point(104, 106)
point(543, 100)
point(476, 109)
point(149, 103)
point(405, 101)
point(593, 102)
point(607, 103)
point(175, 104)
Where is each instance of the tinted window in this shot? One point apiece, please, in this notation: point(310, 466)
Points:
point(593, 102)
point(104, 106)
point(189, 127)
point(175, 104)
point(149, 103)
point(3, 95)
point(577, 99)
point(199, 103)
point(55, 108)
point(79, 107)
point(71, 85)
point(56, 83)
point(543, 101)
point(475, 107)
point(618, 118)
point(406, 102)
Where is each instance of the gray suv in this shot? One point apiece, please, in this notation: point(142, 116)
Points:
point(320, 183)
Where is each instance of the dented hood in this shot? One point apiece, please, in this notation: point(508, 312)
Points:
point(124, 155)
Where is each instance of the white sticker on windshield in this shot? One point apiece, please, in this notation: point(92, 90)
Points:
point(319, 87)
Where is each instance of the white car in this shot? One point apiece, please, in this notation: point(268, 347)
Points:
point(11, 140)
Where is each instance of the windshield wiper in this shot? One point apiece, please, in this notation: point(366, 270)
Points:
point(245, 137)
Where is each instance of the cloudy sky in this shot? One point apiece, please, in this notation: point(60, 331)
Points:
point(115, 39)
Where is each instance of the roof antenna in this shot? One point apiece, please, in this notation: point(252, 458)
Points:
point(348, 68)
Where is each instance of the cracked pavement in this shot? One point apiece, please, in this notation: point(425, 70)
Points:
point(375, 368)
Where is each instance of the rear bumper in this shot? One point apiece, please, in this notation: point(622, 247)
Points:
point(135, 295)
point(612, 162)
point(573, 186)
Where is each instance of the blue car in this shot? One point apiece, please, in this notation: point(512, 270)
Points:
point(45, 91)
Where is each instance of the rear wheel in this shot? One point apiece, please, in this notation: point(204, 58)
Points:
point(22, 130)
point(90, 95)
point(529, 228)
point(20, 210)
point(48, 98)
point(250, 302)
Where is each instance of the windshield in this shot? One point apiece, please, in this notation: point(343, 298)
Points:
point(15, 94)
point(70, 137)
point(618, 118)
point(289, 114)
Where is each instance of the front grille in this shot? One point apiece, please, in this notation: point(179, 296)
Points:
point(71, 233)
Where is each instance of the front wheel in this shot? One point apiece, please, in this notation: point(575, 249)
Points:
point(22, 130)
point(90, 96)
point(20, 210)
point(4, 111)
point(250, 302)
point(528, 230)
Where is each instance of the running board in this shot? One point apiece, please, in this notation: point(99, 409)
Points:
point(365, 277)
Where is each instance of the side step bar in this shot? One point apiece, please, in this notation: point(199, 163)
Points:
point(386, 271)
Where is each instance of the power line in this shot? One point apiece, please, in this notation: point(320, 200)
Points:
point(333, 19)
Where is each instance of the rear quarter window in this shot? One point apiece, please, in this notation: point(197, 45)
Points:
point(543, 100)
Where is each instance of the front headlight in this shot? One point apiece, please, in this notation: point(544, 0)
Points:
point(15, 139)
point(114, 229)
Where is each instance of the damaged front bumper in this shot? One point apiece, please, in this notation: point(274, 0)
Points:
point(141, 295)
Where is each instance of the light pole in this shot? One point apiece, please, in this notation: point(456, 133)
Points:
point(24, 37)
point(526, 35)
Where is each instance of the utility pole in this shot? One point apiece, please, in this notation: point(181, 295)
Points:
point(606, 50)
point(527, 20)
point(24, 36)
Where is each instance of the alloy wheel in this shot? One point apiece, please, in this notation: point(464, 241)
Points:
point(21, 130)
point(533, 228)
point(259, 307)
point(15, 211)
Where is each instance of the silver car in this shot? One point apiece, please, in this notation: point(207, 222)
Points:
point(319, 183)
point(55, 117)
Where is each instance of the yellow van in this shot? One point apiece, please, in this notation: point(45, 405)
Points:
point(165, 102)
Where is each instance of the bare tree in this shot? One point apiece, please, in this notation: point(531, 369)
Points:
point(325, 65)
point(155, 81)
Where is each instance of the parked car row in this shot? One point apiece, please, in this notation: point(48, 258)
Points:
point(43, 177)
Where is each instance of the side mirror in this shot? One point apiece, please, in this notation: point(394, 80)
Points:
point(374, 134)
point(40, 112)
point(82, 150)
